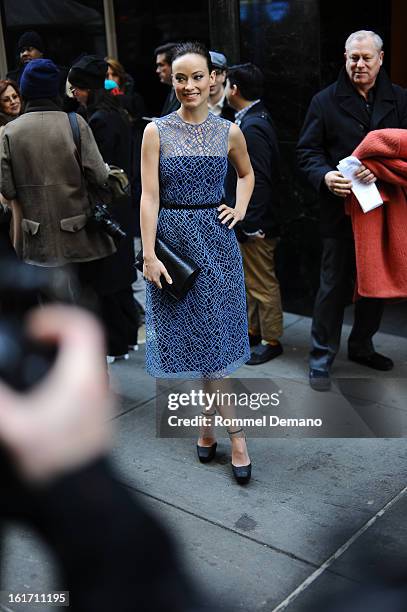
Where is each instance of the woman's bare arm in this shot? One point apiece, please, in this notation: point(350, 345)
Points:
point(150, 204)
point(239, 158)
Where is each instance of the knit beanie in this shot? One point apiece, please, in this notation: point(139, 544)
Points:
point(88, 73)
point(30, 39)
point(40, 79)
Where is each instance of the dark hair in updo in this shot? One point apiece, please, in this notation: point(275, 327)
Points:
point(192, 47)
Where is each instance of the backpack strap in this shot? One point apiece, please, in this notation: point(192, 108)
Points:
point(76, 134)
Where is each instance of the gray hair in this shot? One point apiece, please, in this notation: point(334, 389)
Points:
point(361, 35)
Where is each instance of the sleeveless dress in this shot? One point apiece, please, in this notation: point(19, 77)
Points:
point(205, 334)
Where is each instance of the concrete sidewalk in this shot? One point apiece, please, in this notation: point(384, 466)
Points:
point(298, 531)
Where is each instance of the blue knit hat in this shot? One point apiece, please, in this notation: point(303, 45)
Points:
point(40, 79)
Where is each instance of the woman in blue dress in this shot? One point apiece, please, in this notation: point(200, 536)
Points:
point(184, 162)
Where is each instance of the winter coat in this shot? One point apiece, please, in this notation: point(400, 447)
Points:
point(336, 122)
point(112, 133)
point(38, 166)
point(381, 234)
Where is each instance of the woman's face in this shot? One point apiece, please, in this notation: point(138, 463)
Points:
point(10, 102)
point(113, 76)
point(191, 80)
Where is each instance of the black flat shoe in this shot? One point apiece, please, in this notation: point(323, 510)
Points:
point(264, 352)
point(206, 453)
point(374, 360)
point(242, 473)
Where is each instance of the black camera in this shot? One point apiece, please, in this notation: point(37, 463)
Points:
point(24, 361)
point(102, 218)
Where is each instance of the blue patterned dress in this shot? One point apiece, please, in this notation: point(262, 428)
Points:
point(205, 334)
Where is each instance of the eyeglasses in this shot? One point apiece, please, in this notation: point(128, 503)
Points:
point(9, 99)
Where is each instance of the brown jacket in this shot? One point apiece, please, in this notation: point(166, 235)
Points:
point(38, 167)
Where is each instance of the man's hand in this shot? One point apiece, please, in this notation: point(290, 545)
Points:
point(365, 175)
point(338, 184)
point(62, 424)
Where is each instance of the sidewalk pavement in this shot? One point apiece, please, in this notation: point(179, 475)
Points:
point(317, 515)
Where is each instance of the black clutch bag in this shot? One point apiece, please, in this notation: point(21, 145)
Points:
point(182, 270)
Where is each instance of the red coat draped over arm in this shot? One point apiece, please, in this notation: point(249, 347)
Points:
point(381, 234)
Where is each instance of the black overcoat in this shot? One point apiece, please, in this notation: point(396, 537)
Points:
point(112, 133)
point(336, 122)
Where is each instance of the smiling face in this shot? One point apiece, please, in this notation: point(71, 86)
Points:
point(10, 102)
point(363, 62)
point(191, 80)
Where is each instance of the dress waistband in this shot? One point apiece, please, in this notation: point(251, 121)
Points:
point(188, 206)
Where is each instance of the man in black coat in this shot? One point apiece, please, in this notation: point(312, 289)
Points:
point(339, 117)
point(258, 232)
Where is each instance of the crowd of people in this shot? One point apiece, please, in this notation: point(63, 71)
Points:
point(199, 186)
point(209, 164)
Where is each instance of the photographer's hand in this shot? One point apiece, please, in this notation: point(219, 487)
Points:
point(63, 423)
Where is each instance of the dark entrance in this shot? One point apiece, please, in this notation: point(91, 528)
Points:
point(143, 25)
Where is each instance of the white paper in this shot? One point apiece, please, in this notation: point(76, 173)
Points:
point(368, 196)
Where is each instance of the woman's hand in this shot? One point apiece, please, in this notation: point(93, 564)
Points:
point(229, 214)
point(152, 270)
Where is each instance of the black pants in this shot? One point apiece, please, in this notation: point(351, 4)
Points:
point(121, 320)
point(338, 271)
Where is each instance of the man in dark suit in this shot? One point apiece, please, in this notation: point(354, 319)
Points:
point(163, 60)
point(339, 117)
point(258, 232)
